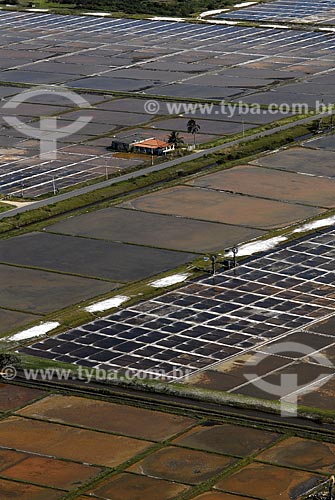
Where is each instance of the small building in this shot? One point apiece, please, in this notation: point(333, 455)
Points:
point(136, 144)
point(126, 143)
point(154, 147)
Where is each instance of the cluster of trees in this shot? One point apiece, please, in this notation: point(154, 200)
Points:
point(9, 359)
point(158, 7)
point(176, 139)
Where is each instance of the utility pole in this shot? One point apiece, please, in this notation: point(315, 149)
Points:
point(106, 169)
point(235, 252)
point(213, 261)
point(54, 185)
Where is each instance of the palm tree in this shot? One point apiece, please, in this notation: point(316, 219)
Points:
point(193, 128)
point(174, 138)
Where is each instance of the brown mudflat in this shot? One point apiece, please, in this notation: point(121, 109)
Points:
point(68, 442)
point(132, 421)
point(228, 439)
point(134, 487)
point(204, 204)
point(179, 464)
point(269, 482)
point(14, 396)
point(302, 454)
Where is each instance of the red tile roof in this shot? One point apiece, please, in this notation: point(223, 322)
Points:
point(153, 144)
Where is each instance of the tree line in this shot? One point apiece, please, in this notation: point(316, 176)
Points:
point(158, 7)
point(177, 140)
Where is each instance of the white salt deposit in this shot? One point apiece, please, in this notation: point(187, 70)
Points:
point(258, 246)
point(177, 19)
point(104, 305)
point(244, 4)
point(212, 12)
point(98, 14)
point(316, 224)
point(221, 21)
point(279, 26)
point(35, 331)
point(169, 280)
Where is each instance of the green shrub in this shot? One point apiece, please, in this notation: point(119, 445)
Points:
point(9, 359)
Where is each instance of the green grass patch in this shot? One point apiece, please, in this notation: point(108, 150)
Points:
point(4, 207)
